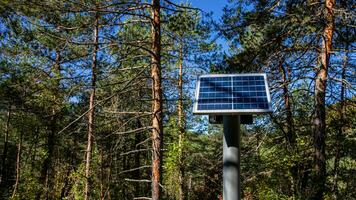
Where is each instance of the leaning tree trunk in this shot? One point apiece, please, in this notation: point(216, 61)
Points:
point(157, 128)
point(91, 109)
point(319, 178)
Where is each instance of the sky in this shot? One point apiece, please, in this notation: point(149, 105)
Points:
point(216, 7)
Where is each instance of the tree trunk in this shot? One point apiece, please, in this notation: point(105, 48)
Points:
point(3, 177)
point(319, 92)
point(91, 109)
point(290, 135)
point(180, 97)
point(157, 128)
point(18, 160)
point(137, 158)
point(180, 124)
point(66, 184)
point(47, 176)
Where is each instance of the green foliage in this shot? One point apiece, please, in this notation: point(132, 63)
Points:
point(184, 23)
point(49, 100)
point(78, 179)
point(172, 159)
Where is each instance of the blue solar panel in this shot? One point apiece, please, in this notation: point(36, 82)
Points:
point(232, 93)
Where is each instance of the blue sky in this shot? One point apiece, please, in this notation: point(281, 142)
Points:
point(216, 7)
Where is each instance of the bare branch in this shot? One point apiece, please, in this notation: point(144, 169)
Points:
point(146, 198)
point(134, 131)
point(134, 169)
point(99, 103)
point(134, 151)
point(181, 6)
point(138, 180)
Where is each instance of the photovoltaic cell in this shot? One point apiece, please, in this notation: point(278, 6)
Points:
point(232, 93)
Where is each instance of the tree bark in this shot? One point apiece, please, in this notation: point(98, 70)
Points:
point(157, 128)
point(180, 124)
point(180, 89)
point(319, 98)
point(91, 109)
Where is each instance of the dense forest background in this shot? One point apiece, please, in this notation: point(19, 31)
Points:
point(96, 99)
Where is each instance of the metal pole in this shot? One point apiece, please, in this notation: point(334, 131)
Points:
point(231, 158)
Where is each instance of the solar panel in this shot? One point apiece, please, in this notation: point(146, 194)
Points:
point(232, 94)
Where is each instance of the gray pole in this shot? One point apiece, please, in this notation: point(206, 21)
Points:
point(231, 158)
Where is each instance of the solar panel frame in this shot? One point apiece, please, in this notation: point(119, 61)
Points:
point(233, 111)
